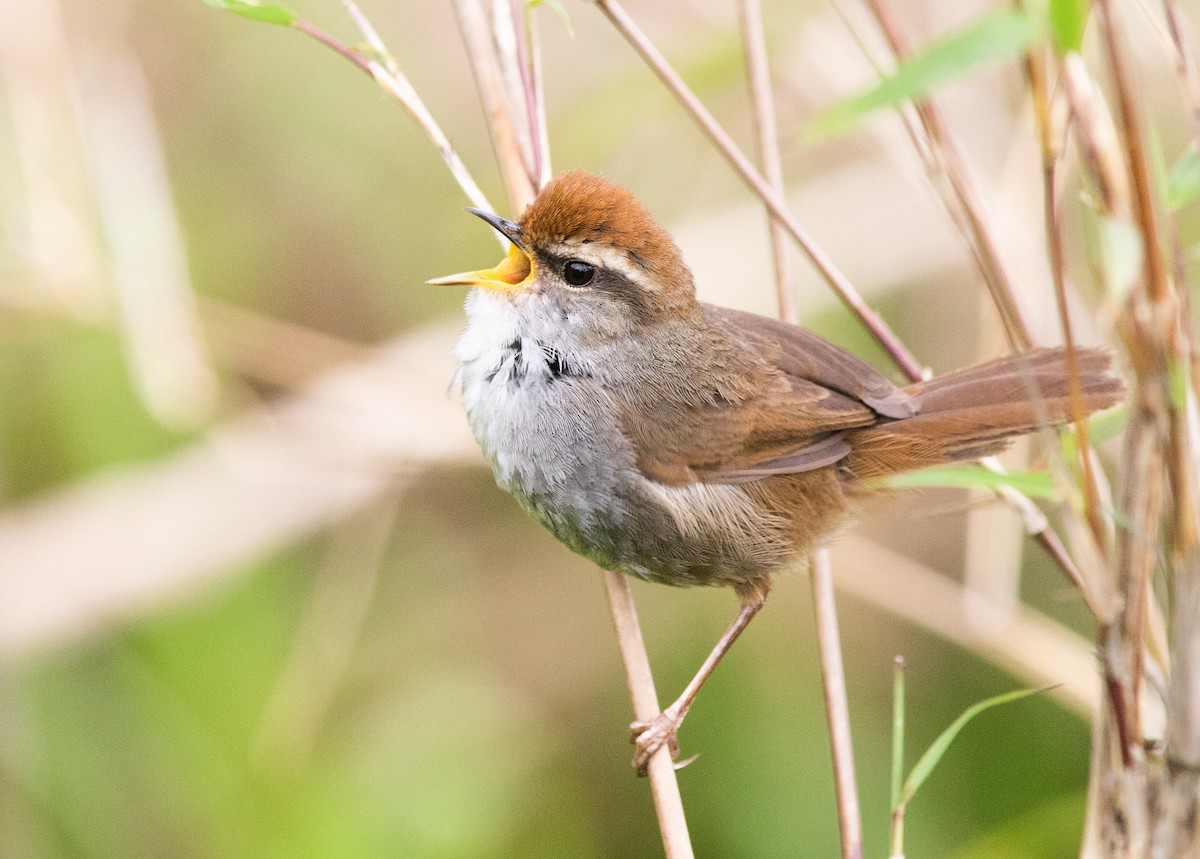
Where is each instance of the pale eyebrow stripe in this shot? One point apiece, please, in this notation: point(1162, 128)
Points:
point(625, 264)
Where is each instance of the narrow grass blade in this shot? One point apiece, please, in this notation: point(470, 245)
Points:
point(897, 729)
point(558, 8)
point(270, 13)
point(1100, 428)
point(1034, 484)
point(934, 753)
point(1068, 21)
point(1183, 180)
point(997, 36)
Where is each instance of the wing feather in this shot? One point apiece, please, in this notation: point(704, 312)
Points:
point(805, 394)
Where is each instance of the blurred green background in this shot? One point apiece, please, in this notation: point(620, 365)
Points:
point(424, 672)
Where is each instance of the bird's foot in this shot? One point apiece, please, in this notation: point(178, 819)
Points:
point(651, 736)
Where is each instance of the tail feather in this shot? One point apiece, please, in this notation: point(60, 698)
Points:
point(977, 411)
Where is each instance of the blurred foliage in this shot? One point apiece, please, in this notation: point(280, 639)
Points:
point(481, 711)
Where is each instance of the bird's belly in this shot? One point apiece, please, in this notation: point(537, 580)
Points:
point(557, 447)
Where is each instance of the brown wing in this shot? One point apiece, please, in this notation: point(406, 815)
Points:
point(806, 355)
point(781, 401)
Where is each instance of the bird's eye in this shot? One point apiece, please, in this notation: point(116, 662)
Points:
point(578, 273)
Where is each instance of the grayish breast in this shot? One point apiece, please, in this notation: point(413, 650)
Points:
point(548, 421)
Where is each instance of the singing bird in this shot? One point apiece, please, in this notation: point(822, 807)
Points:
point(689, 444)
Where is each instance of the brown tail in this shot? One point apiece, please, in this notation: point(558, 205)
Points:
point(977, 411)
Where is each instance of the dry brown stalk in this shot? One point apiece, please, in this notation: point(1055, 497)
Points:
point(966, 198)
point(837, 708)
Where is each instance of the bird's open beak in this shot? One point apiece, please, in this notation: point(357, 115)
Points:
point(514, 272)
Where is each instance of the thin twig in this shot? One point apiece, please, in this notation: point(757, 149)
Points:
point(837, 708)
point(978, 231)
point(540, 128)
point(664, 787)
point(315, 32)
point(1035, 69)
point(486, 67)
point(824, 604)
point(778, 208)
point(386, 73)
point(1157, 281)
point(529, 91)
point(667, 803)
point(762, 104)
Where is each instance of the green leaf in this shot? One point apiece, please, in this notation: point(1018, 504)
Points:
point(1183, 182)
point(1068, 21)
point(934, 753)
point(558, 8)
point(1120, 249)
point(1035, 484)
point(997, 36)
point(1178, 384)
point(1100, 428)
point(270, 13)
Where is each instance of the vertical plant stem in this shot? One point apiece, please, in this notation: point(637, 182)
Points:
point(1154, 271)
point(897, 728)
point(897, 836)
point(1035, 69)
point(528, 90)
point(762, 104)
point(663, 785)
point(540, 128)
point(668, 805)
point(830, 647)
point(837, 708)
point(386, 73)
point(486, 67)
point(966, 196)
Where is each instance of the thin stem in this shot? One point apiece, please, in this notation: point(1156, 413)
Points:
point(386, 73)
point(1035, 69)
point(837, 708)
point(663, 785)
point(1154, 271)
point(668, 805)
point(897, 730)
point(966, 196)
point(541, 130)
point(488, 80)
point(315, 32)
point(897, 839)
point(833, 675)
point(529, 92)
point(762, 104)
point(845, 291)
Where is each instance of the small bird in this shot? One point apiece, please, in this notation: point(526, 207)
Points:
point(689, 444)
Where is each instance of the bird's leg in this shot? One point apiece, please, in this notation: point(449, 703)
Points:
point(650, 736)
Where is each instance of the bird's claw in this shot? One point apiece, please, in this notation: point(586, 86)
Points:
point(651, 736)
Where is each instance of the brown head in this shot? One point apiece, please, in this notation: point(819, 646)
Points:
point(585, 234)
